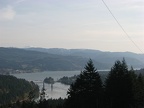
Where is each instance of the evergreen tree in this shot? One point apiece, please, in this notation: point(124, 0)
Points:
point(119, 86)
point(139, 91)
point(87, 89)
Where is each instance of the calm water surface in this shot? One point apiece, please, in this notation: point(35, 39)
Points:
point(59, 90)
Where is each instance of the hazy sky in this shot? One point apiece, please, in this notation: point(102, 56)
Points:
point(72, 24)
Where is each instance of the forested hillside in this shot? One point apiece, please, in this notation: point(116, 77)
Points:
point(122, 88)
point(38, 59)
point(20, 60)
point(107, 58)
point(13, 89)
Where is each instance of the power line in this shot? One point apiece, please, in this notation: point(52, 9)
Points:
point(122, 27)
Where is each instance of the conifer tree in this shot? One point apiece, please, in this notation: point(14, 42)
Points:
point(87, 89)
point(118, 86)
point(139, 91)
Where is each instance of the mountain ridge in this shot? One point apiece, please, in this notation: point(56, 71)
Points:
point(15, 59)
point(134, 59)
point(55, 59)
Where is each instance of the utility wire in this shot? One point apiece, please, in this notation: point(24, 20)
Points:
point(122, 27)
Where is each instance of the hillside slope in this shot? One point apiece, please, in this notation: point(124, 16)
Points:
point(107, 58)
point(13, 89)
point(30, 61)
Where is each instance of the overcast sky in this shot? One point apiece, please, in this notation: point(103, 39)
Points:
point(72, 24)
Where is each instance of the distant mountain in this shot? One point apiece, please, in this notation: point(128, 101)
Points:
point(106, 58)
point(55, 59)
point(22, 60)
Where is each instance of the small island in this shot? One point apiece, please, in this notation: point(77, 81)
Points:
point(64, 80)
point(68, 80)
point(49, 80)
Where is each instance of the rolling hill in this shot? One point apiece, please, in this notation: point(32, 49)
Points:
point(55, 59)
point(106, 58)
point(15, 59)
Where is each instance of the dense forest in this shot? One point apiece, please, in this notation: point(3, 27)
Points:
point(101, 59)
point(49, 80)
point(13, 89)
point(122, 88)
point(68, 80)
point(20, 60)
point(37, 60)
point(103, 74)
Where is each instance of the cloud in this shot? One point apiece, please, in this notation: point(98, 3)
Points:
point(19, 1)
point(7, 13)
point(135, 4)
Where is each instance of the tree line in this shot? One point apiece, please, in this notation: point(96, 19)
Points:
point(13, 89)
point(122, 88)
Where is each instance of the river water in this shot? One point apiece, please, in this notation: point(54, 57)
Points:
point(58, 90)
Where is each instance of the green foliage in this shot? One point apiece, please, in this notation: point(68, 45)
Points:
point(49, 80)
point(50, 103)
point(68, 80)
point(56, 103)
point(13, 89)
point(104, 60)
point(117, 85)
point(139, 91)
point(123, 88)
point(87, 89)
point(20, 60)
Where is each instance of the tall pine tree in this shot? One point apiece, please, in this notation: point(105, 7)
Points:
point(119, 86)
point(87, 90)
point(139, 91)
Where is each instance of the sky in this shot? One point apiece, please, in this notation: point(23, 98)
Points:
point(73, 24)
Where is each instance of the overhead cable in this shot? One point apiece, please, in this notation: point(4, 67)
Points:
point(122, 27)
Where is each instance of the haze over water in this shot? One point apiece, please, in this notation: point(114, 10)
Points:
point(59, 90)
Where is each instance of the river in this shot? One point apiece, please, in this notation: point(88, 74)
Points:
point(58, 90)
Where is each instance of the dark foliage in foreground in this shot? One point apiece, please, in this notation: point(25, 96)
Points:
point(50, 103)
point(87, 90)
point(121, 89)
point(13, 89)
